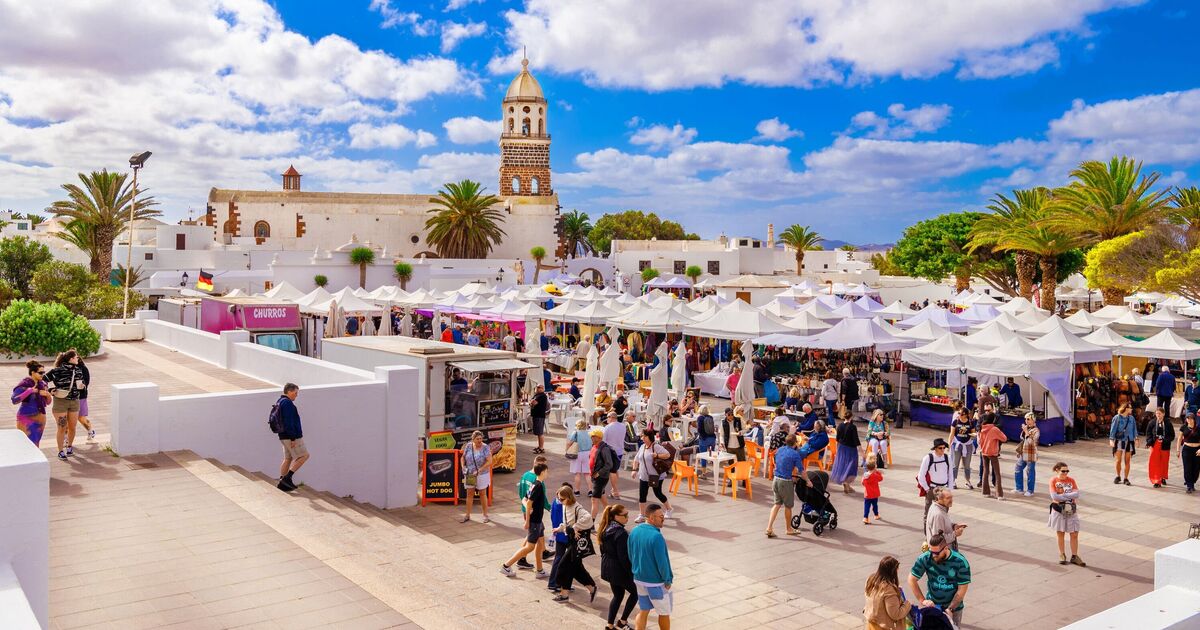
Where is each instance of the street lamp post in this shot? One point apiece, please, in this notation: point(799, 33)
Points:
point(136, 163)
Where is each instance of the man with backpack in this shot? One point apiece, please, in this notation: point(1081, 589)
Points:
point(615, 434)
point(284, 421)
point(934, 473)
point(706, 431)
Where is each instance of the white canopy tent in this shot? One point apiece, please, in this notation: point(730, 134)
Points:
point(738, 321)
point(1017, 305)
point(1111, 312)
point(781, 307)
point(982, 299)
point(896, 310)
point(869, 303)
point(887, 326)
point(980, 313)
point(818, 310)
point(1062, 341)
point(830, 301)
point(1145, 297)
point(939, 316)
point(675, 282)
point(1176, 302)
point(1051, 324)
point(924, 332)
point(1006, 320)
point(649, 319)
point(1165, 345)
point(1017, 357)
point(515, 310)
point(351, 304)
point(1084, 319)
point(317, 295)
point(851, 310)
point(846, 335)
point(1107, 337)
point(594, 313)
point(807, 324)
point(284, 291)
point(992, 335)
point(947, 352)
point(1168, 318)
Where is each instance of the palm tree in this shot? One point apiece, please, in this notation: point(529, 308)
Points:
point(467, 223)
point(849, 248)
point(1185, 210)
point(693, 272)
point(538, 254)
point(1010, 216)
point(1045, 244)
point(1106, 201)
point(79, 234)
point(135, 275)
point(362, 256)
point(800, 238)
point(404, 273)
point(33, 217)
point(103, 203)
point(576, 227)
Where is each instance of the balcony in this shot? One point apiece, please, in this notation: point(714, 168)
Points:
point(524, 136)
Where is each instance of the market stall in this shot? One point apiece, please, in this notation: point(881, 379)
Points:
point(1046, 373)
point(936, 376)
point(939, 316)
point(1091, 374)
point(1165, 346)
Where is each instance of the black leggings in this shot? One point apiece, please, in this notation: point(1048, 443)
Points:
point(1191, 466)
point(644, 489)
point(619, 592)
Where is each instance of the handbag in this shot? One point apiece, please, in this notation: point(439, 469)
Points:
point(572, 450)
point(581, 543)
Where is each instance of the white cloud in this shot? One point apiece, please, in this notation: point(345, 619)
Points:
point(393, 17)
point(900, 122)
point(800, 43)
point(472, 130)
point(658, 137)
point(392, 136)
point(222, 92)
point(453, 33)
point(453, 5)
point(773, 130)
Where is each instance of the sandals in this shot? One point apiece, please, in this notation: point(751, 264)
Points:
point(771, 534)
point(487, 520)
point(464, 519)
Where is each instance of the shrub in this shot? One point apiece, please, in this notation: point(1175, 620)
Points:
point(107, 302)
point(76, 288)
point(29, 328)
point(320, 280)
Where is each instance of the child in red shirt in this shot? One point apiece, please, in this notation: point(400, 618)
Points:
point(870, 484)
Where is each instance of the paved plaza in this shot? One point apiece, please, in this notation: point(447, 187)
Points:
point(175, 539)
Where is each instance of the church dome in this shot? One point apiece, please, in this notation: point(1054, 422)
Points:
point(524, 86)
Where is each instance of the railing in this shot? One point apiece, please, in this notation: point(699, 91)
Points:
point(524, 136)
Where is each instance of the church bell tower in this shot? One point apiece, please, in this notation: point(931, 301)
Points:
point(524, 141)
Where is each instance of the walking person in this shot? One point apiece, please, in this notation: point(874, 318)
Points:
point(885, 608)
point(561, 545)
point(934, 472)
point(604, 463)
point(849, 453)
point(1160, 433)
point(848, 389)
point(1189, 451)
point(648, 477)
point(1191, 395)
point(83, 397)
point(32, 396)
point(579, 452)
point(938, 520)
point(524, 486)
point(830, 392)
point(291, 437)
point(731, 434)
point(963, 431)
point(789, 464)
point(614, 435)
point(949, 577)
point(1122, 437)
point(615, 565)
point(535, 528)
point(1064, 516)
point(651, 569)
point(576, 525)
point(877, 438)
point(65, 382)
point(870, 482)
point(477, 473)
point(539, 408)
point(1027, 452)
point(990, 439)
point(1164, 389)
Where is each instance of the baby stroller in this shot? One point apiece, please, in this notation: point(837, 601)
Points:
point(815, 506)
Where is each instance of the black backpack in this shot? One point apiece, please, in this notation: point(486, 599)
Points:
point(707, 428)
point(275, 418)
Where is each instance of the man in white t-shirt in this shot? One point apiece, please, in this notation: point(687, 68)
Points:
point(510, 342)
point(614, 435)
point(830, 392)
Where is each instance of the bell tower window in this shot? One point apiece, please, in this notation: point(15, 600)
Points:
point(541, 127)
point(525, 127)
point(516, 184)
point(533, 185)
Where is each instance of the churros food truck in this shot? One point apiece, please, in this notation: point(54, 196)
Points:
point(461, 389)
point(270, 322)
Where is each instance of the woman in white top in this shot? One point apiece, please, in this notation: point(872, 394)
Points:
point(830, 392)
point(577, 524)
point(647, 476)
point(477, 473)
point(579, 451)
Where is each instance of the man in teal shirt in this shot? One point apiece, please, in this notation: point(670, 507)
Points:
point(523, 486)
point(651, 569)
point(949, 576)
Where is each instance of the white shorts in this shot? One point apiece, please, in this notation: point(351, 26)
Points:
point(293, 449)
point(656, 597)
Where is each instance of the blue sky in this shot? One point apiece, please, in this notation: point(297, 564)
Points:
point(857, 118)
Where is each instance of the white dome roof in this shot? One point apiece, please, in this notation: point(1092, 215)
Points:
point(524, 85)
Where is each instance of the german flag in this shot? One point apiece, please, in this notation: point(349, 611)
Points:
point(204, 282)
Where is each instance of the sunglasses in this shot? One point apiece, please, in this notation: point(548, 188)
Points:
point(1064, 470)
point(41, 372)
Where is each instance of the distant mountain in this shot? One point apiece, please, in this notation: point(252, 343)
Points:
point(867, 247)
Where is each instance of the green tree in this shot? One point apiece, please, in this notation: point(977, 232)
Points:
point(693, 272)
point(648, 274)
point(404, 273)
point(106, 302)
point(362, 256)
point(938, 247)
point(1185, 211)
point(634, 225)
point(849, 248)
point(19, 259)
point(800, 238)
point(76, 288)
point(34, 218)
point(467, 222)
point(1008, 217)
point(576, 227)
point(103, 203)
point(1106, 201)
point(538, 254)
point(79, 234)
point(135, 276)
point(320, 280)
point(7, 294)
point(885, 265)
point(1157, 258)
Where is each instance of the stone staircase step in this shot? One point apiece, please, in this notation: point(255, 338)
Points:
point(420, 575)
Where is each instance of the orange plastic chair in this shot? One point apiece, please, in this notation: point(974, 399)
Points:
point(770, 462)
point(681, 471)
point(738, 471)
point(815, 460)
point(754, 454)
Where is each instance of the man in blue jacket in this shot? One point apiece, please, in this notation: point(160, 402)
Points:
point(1164, 388)
point(651, 569)
point(1191, 395)
point(291, 437)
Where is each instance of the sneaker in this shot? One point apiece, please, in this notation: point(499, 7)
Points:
point(542, 575)
point(1028, 494)
point(91, 434)
point(70, 451)
point(639, 519)
point(1117, 479)
point(1077, 561)
point(1158, 485)
point(524, 564)
point(970, 486)
point(62, 455)
point(999, 497)
point(1126, 482)
point(1062, 558)
point(547, 555)
point(507, 571)
point(283, 485)
point(669, 514)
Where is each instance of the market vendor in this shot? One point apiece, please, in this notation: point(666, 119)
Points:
point(1012, 393)
point(603, 399)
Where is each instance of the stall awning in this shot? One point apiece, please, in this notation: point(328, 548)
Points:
point(492, 365)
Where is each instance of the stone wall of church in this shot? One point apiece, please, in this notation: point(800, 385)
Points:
point(525, 161)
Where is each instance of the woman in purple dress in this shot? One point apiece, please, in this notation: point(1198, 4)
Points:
point(845, 463)
point(31, 394)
